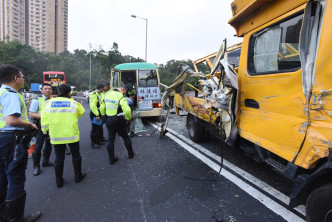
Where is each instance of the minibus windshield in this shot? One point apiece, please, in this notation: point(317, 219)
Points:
point(147, 78)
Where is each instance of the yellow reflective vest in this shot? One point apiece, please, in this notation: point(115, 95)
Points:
point(41, 105)
point(60, 119)
point(113, 100)
point(24, 112)
point(95, 102)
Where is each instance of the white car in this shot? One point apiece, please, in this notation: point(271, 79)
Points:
point(86, 93)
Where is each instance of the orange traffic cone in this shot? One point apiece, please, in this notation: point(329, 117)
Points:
point(31, 149)
point(81, 102)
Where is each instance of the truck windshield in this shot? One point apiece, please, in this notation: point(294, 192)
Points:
point(148, 78)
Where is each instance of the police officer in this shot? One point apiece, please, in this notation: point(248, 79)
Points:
point(61, 120)
point(131, 99)
point(36, 108)
point(96, 134)
point(13, 156)
point(104, 117)
point(106, 87)
point(116, 108)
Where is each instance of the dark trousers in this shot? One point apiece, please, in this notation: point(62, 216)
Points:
point(60, 149)
point(96, 134)
point(117, 125)
point(40, 140)
point(13, 162)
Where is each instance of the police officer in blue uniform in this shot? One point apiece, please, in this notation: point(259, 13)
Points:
point(13, 155)
point(36, 107)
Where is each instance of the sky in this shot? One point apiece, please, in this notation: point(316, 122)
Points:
point(177, 29)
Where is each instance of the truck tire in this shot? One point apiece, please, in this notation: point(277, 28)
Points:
point(319, 204)
point(196, 132)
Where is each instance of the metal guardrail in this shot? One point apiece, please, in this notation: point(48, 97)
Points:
point(27, 100)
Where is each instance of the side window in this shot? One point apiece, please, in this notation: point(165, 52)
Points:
point(233, 57)
point(115, 76)
point(276, 48)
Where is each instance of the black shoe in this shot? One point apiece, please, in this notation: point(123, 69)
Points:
point(58, 175)
point(15, 210)
point(95, 146)
point(36, 171)
point(32, 217)
point(130, 151)
point(131, 155)
point(111, 157)
point(2, 207)
point(79, 176)
point(2, 212)
point(47, 164)
point(112, 161)
point(100, 142)
point(104, 140)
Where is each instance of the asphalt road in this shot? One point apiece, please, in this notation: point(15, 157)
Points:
point(169, 179)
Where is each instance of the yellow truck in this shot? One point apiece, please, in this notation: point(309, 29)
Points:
point(279, 110)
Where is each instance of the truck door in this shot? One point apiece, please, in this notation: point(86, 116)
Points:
point(317, 84)
point(114, 79)
point(271, 105)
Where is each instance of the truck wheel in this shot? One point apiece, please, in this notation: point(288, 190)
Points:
point(319, 204)
point(196, 132)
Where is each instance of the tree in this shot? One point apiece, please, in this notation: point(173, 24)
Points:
point(76, 65)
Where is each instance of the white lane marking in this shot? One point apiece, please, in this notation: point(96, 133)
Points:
point(264, 186)
point(138, 188)
point(268, 202)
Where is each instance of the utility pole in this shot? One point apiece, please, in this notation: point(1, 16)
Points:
point(146, 36)
point(90, 67)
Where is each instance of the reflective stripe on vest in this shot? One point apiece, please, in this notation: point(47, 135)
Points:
point(108, 107)
point(64, 138)
point(24, 113)
point(72, 109)
point(111, 104)
point(41, 105)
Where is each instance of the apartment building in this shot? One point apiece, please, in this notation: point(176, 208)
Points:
point(12, 20)
point(43, 24)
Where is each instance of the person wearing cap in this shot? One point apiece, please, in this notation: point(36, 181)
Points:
point(115, 106)
point(96, 134)
point(106, 87)
point(13, 154)
point(60, 120)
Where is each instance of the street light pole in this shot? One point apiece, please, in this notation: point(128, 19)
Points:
point(90, 70)
point(146, 36)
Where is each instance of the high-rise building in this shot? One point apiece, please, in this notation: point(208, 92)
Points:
point(12, 20)
point(43, 24)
